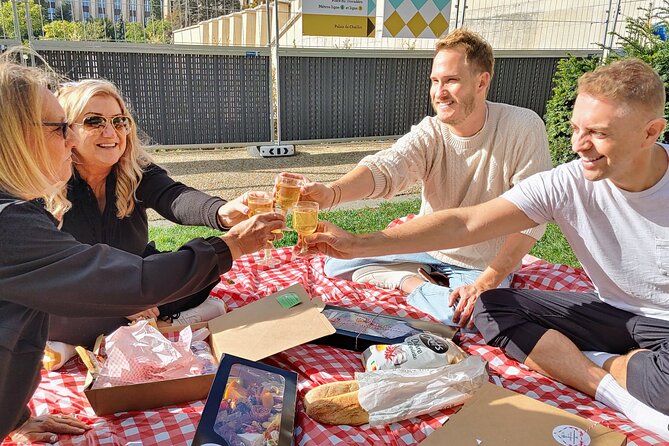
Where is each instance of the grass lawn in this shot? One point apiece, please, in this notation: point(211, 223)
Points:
point(552, 247)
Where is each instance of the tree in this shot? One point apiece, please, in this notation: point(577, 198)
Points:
point(59, 30)
point(158, 31)
point(119, 30)
point(134, 32)
point(7, 19)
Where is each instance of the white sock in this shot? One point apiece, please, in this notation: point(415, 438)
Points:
point(599, 358)
point(613, 395)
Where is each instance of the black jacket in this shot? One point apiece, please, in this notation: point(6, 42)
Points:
point(46, 271)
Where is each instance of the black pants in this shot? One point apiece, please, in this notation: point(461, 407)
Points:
point(515, 320)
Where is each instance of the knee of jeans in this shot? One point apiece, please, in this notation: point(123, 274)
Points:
point(336, 268)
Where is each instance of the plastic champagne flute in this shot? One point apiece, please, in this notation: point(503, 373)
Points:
point(261, 203)
point(287, 193)
point(305, 220)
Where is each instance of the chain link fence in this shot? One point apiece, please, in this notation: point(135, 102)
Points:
point(506, 24)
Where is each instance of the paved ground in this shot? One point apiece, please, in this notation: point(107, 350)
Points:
point(230, 172)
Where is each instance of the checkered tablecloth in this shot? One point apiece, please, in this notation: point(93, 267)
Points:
point(59, 391)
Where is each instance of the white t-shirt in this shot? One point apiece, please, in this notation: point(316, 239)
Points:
point(621, 238)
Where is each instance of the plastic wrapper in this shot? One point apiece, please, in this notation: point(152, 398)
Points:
point(420, 351)
point(139, 353)
point(394, 395)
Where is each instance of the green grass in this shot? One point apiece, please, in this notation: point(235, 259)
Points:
point(552, 247)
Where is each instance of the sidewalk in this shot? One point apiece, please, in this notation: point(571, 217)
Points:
point(229, 173)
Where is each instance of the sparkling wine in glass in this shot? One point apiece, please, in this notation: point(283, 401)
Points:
point(287, 192)
point(261, 203)
point(305, 220)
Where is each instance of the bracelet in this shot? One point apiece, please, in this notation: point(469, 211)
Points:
point(336, 198)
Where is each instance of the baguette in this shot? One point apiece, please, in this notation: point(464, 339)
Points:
point(336, 403)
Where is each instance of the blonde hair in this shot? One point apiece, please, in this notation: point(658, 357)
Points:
point(478, 52)
point(26, 169)
point(630, 81)
point(74, 96)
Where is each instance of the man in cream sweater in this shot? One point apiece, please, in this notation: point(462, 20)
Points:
point(470, 152)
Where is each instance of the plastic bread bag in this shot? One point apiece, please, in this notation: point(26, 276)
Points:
point(394, 395)
point(419, 351)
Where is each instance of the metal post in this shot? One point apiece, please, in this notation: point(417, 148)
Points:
point(270, 68)
point(605, 51)
point(464, 10)
point(17, 29)
point(457, 14)
point(29, 28)
point(278, 83)
point(615, 23)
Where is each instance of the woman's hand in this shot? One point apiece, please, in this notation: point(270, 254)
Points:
point(46, 428)
point(234, 211)
point(253, 234)
point(151, 313)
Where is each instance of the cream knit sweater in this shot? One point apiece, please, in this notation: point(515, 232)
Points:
point(455, 171)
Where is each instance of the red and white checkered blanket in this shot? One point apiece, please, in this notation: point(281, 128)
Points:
point(60, 392)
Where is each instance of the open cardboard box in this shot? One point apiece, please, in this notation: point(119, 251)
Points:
point(255, 331)
point(495, 416)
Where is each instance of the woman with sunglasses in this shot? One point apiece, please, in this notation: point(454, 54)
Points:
point(114, 182)
point(46, 271)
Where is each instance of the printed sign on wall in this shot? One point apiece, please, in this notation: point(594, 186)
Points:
point(416, 18)
point(344, 18)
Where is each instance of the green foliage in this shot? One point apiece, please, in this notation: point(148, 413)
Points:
point(7, 19)
point(560, 105)
point(638, 41)
point(158, 31)
point(134, 32)
point(552, 247)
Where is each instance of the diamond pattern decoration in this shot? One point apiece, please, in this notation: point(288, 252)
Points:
point(416, 18)
point(417, 24)
point(439, 25)
point(394, 24)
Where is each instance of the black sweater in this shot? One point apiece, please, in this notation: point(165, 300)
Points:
point(173, 200)
point(46, 271)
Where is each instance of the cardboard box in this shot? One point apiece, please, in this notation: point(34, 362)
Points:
point(495, 416)
point(249, 403)
point(255, 331)
point(357, 330)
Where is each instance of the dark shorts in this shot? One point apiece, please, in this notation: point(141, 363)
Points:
point(515, 320)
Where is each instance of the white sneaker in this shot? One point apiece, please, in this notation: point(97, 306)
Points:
point(390, 276)
point(206, 311)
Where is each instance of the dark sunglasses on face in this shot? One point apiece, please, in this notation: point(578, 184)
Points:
point(64, 126)
point(119, 123)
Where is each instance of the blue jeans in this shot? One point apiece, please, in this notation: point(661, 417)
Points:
point(427, 297)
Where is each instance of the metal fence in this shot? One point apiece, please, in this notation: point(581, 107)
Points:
point(326, 96)
point(507, 24)
point(180, 96)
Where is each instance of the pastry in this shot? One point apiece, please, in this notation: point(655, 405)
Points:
point(336, 403)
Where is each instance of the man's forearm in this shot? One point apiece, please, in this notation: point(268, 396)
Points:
point(446, 229)
point(355, 185)
point(515, 247)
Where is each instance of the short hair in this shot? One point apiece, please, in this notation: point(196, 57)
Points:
point(26, 168)
point(478, 52)
point(74, 97)
point(630, 81)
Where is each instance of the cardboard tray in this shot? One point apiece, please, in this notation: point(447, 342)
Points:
point(222, 419)
point(255, 331)
point(495, 416)
point(359, 337)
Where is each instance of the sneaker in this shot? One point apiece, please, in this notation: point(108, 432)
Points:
point(56, 354)
point(389, 276)
point(206, 311)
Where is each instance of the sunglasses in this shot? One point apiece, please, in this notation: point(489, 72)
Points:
point(64, 126)
point(119, 123)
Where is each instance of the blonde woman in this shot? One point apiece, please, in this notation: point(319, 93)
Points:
point(46, 271)
point(113, 184)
